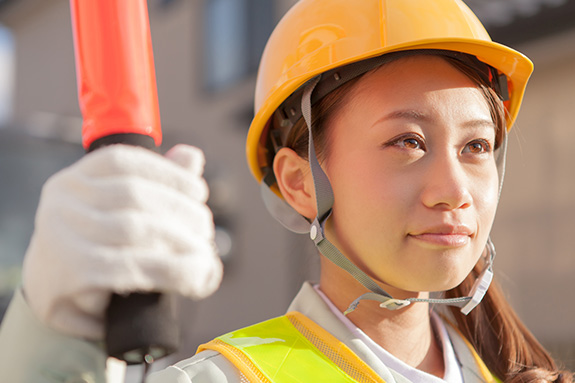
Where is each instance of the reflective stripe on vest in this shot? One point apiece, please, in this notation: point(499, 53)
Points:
point(291, 349)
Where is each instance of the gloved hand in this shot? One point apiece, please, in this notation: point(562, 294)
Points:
point(122, 219)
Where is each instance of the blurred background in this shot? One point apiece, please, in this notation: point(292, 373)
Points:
point(206, 56)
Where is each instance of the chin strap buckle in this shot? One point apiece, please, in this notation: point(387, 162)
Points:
point(385, 302)
point(394, 304)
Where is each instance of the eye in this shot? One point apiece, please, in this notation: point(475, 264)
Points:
point(478, 146)
point(409, 141)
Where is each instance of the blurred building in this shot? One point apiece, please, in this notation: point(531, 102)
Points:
point(206, 54)
point(535, 223)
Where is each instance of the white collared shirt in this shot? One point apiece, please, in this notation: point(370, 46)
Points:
point(453, 372)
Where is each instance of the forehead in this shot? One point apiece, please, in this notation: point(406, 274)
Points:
point(415, 73)
point(413, 80)
point(420, 88)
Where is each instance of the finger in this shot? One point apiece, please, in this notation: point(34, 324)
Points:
point(86, 229)
point(128, 192)
point(123, 160)
point(188, 157)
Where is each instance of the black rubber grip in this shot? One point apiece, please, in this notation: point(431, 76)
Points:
point(140, 327)
point(133, 139)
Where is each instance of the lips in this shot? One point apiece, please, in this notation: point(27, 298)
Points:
point(444, 235)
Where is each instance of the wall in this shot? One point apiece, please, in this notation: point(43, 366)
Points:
point(536, 221)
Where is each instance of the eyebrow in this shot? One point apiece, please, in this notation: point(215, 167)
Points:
point(414, 115)
point(406, 114)
point(479, 123)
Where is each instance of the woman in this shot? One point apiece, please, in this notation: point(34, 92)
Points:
point(380, 129)
point(410, 135)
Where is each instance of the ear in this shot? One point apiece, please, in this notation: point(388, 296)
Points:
point(295, 182)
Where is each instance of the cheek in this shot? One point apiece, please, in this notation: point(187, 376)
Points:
point(371, 203)
point(358, 183)
point(486, 196)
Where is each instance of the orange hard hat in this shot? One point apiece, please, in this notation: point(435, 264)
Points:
point(316, 36)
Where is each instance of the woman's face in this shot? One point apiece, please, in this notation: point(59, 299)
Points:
point(412, 167)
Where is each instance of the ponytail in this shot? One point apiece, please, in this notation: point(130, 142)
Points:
point(502, 341)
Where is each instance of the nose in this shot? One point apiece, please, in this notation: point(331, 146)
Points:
point(447, 184)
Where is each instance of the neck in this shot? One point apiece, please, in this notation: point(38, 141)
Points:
point(405, 333)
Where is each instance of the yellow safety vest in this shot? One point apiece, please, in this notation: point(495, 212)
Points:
point(294, 349)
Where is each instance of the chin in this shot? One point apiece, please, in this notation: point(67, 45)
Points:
point(431, 283)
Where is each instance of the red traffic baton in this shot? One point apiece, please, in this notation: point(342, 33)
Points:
point(118, 98)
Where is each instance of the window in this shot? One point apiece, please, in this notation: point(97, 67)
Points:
point(6, 74)
point(235, 33)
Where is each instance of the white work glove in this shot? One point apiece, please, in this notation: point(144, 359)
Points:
point(122, 219)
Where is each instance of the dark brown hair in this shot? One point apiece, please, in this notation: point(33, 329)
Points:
point(506, 346)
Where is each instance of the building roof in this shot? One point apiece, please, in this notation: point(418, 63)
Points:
point(508, 21)
point(516, 21)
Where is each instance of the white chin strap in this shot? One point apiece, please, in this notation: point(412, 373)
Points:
point(324, 197)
